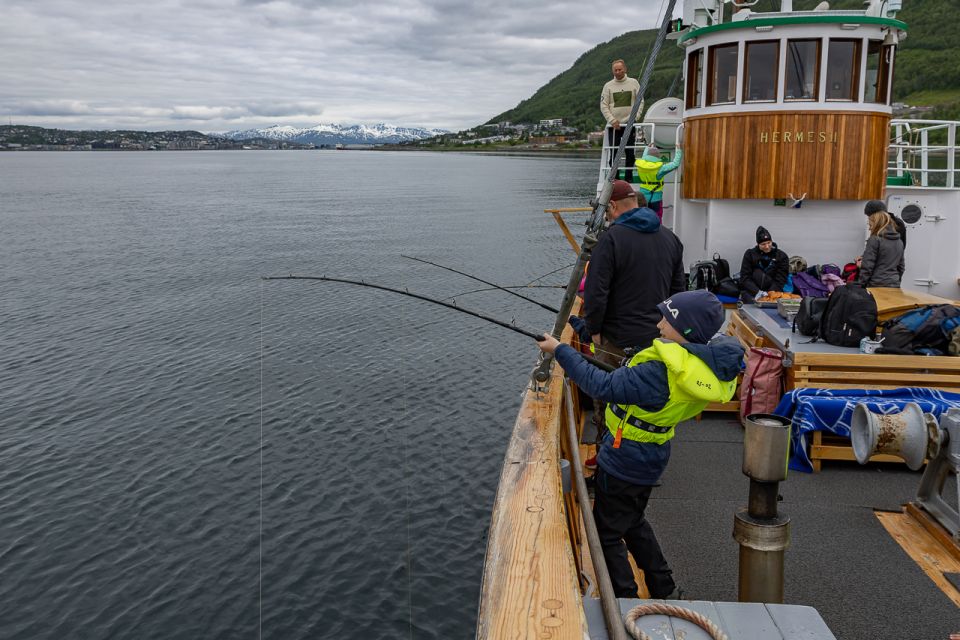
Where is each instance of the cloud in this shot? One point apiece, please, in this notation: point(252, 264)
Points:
point(228, 63)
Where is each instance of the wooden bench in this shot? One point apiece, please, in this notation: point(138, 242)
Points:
point(892, 302)
point(861, 371)
point(850, 369)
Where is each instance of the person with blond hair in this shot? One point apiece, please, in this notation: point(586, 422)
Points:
point(882, 262)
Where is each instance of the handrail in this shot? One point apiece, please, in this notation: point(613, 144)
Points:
point(606, 149)
point(611, 608)
point(910, 141)
point(677, 181)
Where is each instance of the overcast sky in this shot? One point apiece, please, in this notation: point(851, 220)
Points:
point(216, 65)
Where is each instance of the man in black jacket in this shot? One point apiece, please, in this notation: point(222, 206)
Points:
point(636, 264)
point(764, 267)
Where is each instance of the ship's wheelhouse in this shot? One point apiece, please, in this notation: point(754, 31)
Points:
point(789, 104)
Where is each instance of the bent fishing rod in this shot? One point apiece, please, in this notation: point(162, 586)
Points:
point(595, 225)
point(495, 286)
point(404, 292)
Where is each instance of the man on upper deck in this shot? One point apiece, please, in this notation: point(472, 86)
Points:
point(616, 102)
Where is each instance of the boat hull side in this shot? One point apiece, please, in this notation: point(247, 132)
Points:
point(530, 583)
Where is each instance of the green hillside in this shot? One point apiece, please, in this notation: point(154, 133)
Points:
point(927, 71)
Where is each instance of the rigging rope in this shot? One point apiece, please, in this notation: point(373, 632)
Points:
point(542, 371)
point(654, 608)
point(604, 198)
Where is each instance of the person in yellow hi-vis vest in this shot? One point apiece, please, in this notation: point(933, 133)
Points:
point(661, 386)
point(651, 170)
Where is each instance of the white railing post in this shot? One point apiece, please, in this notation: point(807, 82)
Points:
point(677, 180)
point(924, 156)
point(951, 153)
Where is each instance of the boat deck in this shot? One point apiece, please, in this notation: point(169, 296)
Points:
point(740, 620)
point(841, 559)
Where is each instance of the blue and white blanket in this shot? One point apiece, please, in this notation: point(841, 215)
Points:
point(832, 409)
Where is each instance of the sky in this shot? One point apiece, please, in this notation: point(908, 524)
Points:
point(219, 65)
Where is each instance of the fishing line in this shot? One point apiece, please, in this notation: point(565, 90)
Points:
point(550, 273)
point(406, 495)
point(260, 534)
point(406, 292)
point(494, 285)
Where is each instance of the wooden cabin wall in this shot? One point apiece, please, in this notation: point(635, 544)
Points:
point(758, 155)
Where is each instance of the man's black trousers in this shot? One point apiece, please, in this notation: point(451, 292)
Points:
point(613, 139)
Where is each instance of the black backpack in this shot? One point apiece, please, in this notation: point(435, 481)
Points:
point(723, 267)
point(807, 320)
point(703, 275)
point(727, 287)
point(850, 316)
point(924, 328)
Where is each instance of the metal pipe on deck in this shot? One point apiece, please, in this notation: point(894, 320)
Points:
point(608, 601)
point(762, 533)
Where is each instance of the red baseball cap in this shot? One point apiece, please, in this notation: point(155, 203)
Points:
point(621, 190)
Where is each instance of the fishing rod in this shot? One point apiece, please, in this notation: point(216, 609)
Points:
point(404, 292)
point(495, 286)
point(595, 226)
point(520, 286)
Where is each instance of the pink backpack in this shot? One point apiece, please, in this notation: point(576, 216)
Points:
point(760, 388)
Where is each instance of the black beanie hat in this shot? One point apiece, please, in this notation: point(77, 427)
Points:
point(874, 206)
point(696, 315)
point(763, 235)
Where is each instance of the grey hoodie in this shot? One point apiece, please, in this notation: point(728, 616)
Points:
point(882, 264)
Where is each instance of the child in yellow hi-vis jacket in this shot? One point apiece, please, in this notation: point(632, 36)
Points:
point(663, 385)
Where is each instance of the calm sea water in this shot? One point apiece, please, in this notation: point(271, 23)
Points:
point(149, 380)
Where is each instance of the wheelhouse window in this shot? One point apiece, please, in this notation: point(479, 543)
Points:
point(802, 79)
point(762, 63)
point(694, 79)
point(877, 83)
point(843, 70)
point(722, 75)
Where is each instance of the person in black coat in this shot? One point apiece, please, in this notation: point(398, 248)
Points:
point(764, 267)
point(636, 264)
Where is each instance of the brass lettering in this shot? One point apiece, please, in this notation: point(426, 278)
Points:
point(836, 137)
point(786, 136)
point(798, 136)
point(776, 136)
point(763, 137)
point(810, 137)
point(823, 136)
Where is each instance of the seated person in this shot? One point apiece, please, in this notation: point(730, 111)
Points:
point(764, 267)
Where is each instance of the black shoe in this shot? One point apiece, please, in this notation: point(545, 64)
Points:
point(677, 594)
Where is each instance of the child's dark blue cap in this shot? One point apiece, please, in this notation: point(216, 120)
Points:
point(696, 315)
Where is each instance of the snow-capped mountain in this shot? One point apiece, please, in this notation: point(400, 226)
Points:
point(329, 134)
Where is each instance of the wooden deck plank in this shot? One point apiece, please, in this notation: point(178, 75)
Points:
point(924, 549)
point(531, 588)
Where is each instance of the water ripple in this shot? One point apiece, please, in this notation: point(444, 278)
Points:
point(136, 334)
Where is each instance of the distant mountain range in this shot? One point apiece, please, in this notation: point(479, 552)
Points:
point(330, 134)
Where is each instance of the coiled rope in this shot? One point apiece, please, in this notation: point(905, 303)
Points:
point(654, 608)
